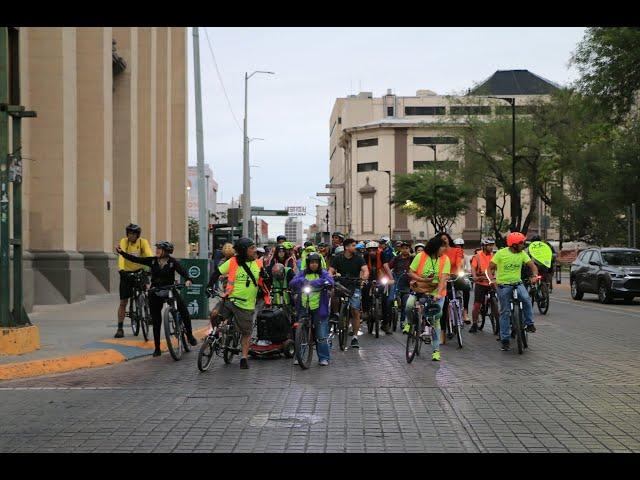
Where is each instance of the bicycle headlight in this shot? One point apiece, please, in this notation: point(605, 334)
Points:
point(307, 289)
point(384, 280)
point(461, 274)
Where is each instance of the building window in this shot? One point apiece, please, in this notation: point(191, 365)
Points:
point(435, 140)
point(520, 109)
point(339, 120)
point(424, 110)
point(441, 165)
point(367, 167)
point(368, 142)
point(389, 111)
point(470, 110)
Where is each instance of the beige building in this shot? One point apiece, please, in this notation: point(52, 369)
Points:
point(108, 147)
point(374, 138)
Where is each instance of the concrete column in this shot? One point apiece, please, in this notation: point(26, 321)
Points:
point(146, 138)
point(59, 275)
point(95, 157)
point(179, 122)
point(400, 166)
point(125, 134)
point(162, 203)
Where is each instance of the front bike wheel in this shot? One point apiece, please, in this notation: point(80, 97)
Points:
point(494, 315)
point(343, 325)
point(172, 333)
point(413, 343)
point(377, 317)
point(207, 353)
point(135, 316)
point(303, 345)
point(142, 321)
point(456, 326)
point(516, 325)
point(230, 346)
point(543, 299)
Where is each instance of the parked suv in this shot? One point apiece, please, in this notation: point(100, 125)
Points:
point(608, 272)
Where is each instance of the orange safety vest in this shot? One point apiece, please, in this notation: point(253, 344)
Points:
point(482, 261)
point(231, 279)
point(441, 262)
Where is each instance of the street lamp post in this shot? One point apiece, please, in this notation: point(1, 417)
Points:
point(208, 216)
point(482, 213)
point(246, 187)
point(388, 172)
point(515, 198)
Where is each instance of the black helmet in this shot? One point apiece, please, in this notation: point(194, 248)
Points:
point(313, 257)
point(307, 244)
point(242, 245)
point(281, 237)
point(536, 238)
point(166, 246)
point(133, 228)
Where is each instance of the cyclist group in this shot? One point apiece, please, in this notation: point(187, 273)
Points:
point(370, 270)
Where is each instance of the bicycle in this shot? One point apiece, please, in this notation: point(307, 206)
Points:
point(173, 325)
point(425, 310)
point(213, 344)
point(539, 293)
point(340, 325)
point(490, 307)
point(376, 310)
point(139, 311)
point(517, 324)
point(305, 333)
point(455, 323)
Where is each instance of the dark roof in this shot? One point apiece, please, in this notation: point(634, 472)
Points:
point(514, 82)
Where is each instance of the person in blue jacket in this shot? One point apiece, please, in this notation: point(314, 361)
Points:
point(316, 277)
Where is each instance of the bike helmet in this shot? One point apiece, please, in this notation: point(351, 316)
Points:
point(260, 250)
point(514, 238)
point(384, 240)
point(359, 246)
point(242, 245)
point(281, 237)
point(288, 245)
point(419, 245)
point(322, 245)
point(339, 249)
point(372, 245)
point(487, 241)
point(166, 246)
point(313, 257)
point(133, 228)
point(307, 244)
point(536, 238)
point(458, 241)
point(337, 234)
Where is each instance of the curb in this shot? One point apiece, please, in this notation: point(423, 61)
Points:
point(107, 352)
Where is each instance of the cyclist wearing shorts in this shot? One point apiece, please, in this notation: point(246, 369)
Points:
point(505, 267)
point(430, 269)
point(135, 245)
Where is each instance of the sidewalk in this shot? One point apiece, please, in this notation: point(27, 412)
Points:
point(80, 335)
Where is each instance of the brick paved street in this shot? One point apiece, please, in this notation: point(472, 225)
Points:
point(577, 389)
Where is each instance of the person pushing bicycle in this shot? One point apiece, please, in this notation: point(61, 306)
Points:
point(504, 270)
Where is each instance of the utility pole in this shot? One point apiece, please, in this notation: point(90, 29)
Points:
point(203, 222)
point(634, 222)
point(5, 315)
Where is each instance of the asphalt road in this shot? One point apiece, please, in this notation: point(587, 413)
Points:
point(576, 389)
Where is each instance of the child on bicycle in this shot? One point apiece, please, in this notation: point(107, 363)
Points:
point(429, 272)
point(318, 301)
point(504, 269)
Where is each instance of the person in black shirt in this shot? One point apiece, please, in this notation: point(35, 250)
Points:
point(163, 273)
point(399, 265)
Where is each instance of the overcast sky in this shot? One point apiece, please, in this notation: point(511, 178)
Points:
point(314, 66)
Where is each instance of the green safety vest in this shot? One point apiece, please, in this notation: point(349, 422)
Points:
point(314, 297)
point(279, 297)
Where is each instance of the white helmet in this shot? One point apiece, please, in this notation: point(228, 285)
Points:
point(458, 241)
point(372, 245)
point(385, 239)
point(339, 249)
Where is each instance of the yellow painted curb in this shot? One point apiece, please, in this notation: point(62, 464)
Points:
point(19, 340)
point(198, 332)
point(48, 366)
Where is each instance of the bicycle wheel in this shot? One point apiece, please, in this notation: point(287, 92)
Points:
point(456, 325)
point(494, 315)
point(377, 317)
point(207, 353)
point(303, 345)
point(171, 333)
point(230, 346)
point(543, 299)
point(413, 343)
point(449, 323)
point(343, 325)
point(142, 320)
point(483, 315)
point(134, 316)
point(516, 325)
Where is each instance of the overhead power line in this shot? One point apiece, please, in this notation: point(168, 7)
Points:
point(224, 90)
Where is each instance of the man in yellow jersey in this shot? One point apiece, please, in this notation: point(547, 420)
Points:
point(133, 244)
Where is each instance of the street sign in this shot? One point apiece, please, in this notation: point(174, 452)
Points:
point(297, 211)
point(195, 297)
point(269, 213)
point(325, 194)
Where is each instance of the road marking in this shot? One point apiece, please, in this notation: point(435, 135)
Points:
point(593, 307)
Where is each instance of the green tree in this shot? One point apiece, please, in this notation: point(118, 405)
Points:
point(415, 194)
point(608, 60)
point(194, 230)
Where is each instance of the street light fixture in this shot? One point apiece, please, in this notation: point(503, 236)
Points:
point(246, 188)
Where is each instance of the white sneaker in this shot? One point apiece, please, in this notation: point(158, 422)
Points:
point(324, 363)
point(295, 362)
